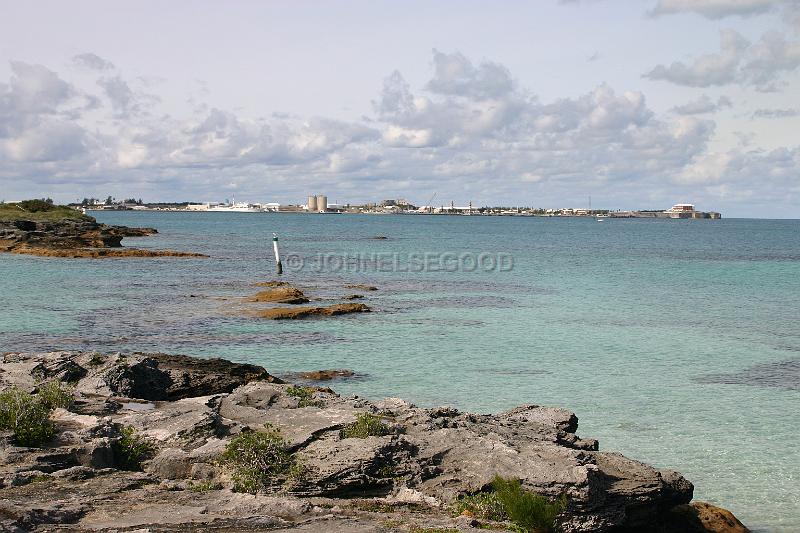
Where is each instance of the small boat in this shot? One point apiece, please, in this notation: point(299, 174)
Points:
point(601, 217)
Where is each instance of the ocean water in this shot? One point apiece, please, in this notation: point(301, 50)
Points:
point(676, 342)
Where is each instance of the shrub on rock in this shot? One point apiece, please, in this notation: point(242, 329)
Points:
point(366, 425)
point(528, 510)
point(131, 449)
point(28, 415)
point(258, 460)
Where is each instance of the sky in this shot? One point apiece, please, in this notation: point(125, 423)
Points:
point(636, 104)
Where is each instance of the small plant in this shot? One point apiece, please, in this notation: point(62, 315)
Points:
point(96, 360)
point(131, 449)
point(366, 425)
point(259, 460)
point(204, 486)
point(53, 395)
point(28, 415)
point(484, 505)
point(305, 396)
point(528, 510)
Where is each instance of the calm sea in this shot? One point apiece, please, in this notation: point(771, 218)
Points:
point(676, 342)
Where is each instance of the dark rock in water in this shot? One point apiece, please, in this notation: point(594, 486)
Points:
point(271, 284)
point(322, 375)
point(353, 297)
point(361, 287)
point(414, 464)
point(779, 374)
point(380, 237)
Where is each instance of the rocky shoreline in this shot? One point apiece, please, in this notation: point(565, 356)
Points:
point(74, 237)
point(155, 442)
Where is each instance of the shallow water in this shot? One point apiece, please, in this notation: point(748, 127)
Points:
point(676, 342)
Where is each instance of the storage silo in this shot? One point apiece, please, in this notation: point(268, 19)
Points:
point(322, 203)
point(312, 203)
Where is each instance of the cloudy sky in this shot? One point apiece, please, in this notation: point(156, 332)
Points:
point(638, 104)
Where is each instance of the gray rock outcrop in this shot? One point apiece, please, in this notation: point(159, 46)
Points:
point(189, 409)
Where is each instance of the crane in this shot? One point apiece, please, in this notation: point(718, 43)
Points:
point(430, 202)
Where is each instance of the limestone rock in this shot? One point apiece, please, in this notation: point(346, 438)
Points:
point(283, 313)
point(281, 294)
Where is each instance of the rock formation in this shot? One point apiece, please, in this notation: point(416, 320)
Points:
point(407, 477)
point(286, 313)
point(75, 237)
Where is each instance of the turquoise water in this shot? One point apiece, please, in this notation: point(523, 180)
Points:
point(676, 342)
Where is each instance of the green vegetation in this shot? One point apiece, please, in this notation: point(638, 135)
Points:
point(366, 425)
point(528, 510)
point(96, 360)
point(38, 210)
point(28, 415)
point(484, 505)
point(53, 394)
point(131, 449)
point(305, 395)
point(259, 460)
point(204, 486)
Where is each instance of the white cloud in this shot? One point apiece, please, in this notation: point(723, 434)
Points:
point(703, 104)
point(761, 65)
point(776, 113)
point(707, 70)
point(92, 62)
point(455, 75)
point(470, 130)
point(717, 9)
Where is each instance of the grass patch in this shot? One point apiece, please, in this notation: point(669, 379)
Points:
point(28, 415)
point(131, 449)
point(39, 211)
point(96, 360)
point(259, 460)
point(483, 505)
point(528, 510)
point(304, 395)
point(204, 486)
point(366, 425)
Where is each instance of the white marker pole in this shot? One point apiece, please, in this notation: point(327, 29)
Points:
point(277, 254)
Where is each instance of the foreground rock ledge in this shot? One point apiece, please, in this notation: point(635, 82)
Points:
point(190, 408)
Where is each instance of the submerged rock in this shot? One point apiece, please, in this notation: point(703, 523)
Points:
point(361, 287)
point(407, 474)
point(99, 253)
point(271, 284)
point(323, 375)
point(353, 297)
point(292, 313)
